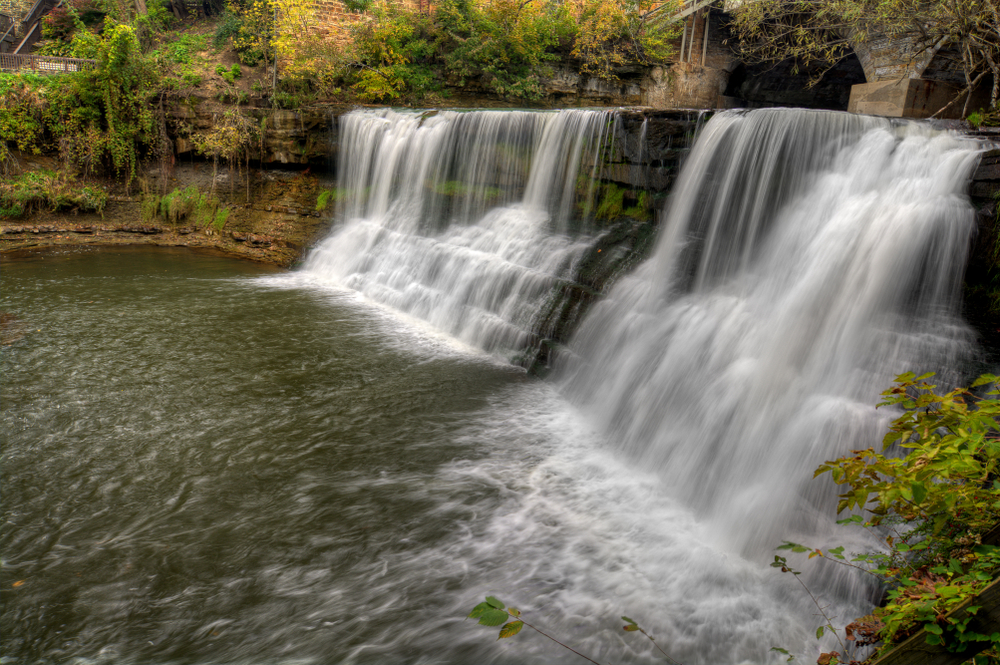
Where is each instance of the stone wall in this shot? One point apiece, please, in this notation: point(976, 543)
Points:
point(17, 9)
point(982, 274)
point(699, 76)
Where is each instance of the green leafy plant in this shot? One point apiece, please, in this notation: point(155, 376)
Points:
point(48, 190)
point(392, 52)
point(182, 50)
point(227, 27)
point(503, 44)
point(230, 74)
point(492, 612)
point(931, 506)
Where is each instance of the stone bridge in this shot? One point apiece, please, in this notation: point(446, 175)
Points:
point(888, 77)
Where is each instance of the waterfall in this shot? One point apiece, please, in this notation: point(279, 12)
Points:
point(806, 259)
point(465, 220)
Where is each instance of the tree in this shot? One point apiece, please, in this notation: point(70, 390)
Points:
point(613, 33)
point(822, 31)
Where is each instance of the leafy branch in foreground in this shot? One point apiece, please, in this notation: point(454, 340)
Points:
point(493, 612)
point(932, 507)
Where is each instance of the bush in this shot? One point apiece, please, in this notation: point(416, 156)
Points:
point(180, 51)
point(502, 43)
point(22, 98)
point(103, 118)
point(254, 35)
point(395, 49)
point(228, 27)
point(48, 190)
point(612, 33)
point(930, 507)
point(202, 210)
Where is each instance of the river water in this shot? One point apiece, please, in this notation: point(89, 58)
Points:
point(206, 461)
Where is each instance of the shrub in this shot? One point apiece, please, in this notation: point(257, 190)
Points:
point(229, 75)
point(502, 43)
point(228, 26)
point(48, 190)
point(930, 507)
point(613, 33)
point(254, 36)
point(394, 49)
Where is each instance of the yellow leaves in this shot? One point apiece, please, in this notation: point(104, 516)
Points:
point(612, 33)
point(511, 629)
point(18, 583)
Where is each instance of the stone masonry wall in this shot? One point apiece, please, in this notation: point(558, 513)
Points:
point(16, 9)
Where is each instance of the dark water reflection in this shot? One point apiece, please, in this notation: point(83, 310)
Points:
point(197, 468)
point(208, 461)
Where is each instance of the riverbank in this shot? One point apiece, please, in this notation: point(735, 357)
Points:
point(272, 220)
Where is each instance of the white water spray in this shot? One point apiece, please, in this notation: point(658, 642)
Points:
point(461, 219)
point(806, 260)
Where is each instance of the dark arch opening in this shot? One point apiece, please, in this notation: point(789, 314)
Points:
point(784, 84)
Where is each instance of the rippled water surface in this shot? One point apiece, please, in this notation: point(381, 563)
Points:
point(206, 461)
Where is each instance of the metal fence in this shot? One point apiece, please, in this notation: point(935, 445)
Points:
point(43, 64)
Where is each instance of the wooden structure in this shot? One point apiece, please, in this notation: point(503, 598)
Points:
point(916, 651)
point(43, 64)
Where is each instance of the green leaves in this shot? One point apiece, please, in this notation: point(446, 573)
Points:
point(952, 439)
point(493, 618)
point(934, 488)
point(491, 612)
point(488, 613)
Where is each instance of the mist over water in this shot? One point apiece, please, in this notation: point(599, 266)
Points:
point(204, 462)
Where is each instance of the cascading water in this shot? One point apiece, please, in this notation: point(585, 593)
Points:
point(807, 259)
point(461, 219)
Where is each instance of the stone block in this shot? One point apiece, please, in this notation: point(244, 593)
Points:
point(907, 98)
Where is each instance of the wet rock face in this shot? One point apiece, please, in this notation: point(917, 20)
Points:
point(289, 136)
point(982, 275)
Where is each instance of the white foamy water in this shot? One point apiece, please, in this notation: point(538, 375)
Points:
point(460, 219)
point(805, 260)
